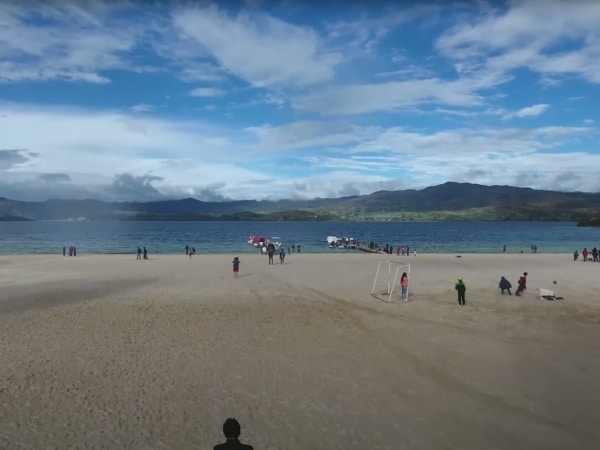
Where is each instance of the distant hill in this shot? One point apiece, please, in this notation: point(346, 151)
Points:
point(448, 201)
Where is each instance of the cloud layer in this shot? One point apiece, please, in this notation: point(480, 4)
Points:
point(125, 101)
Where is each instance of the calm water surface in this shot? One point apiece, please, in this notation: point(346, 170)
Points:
point(231, 237)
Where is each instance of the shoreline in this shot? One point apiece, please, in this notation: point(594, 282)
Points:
point(332, 253)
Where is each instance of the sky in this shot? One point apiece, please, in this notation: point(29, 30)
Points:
point(131, 100)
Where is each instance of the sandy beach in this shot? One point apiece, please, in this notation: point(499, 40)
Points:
point(108, 352)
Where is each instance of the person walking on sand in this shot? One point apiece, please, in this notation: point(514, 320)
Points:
point(575, 255)
point(232, 431)
point(270, 252)
point(504, 285)
point(522, 284)
point(585, 254)
point(64, 250)
point(404, 286)
point(460, 289)
point(236, 266)
point(145, 253)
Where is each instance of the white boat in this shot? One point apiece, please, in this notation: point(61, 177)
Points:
point(345, 242)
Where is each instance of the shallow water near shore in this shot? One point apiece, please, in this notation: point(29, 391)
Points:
point(231, 237)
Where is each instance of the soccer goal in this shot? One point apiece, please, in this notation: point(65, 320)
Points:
point(387, 278)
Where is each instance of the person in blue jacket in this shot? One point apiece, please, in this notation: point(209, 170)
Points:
point(504, 285)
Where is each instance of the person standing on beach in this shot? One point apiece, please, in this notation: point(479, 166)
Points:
point(139, 253)
point(64, 250)
point(145, 253)
point(282, 254)
point(270, 252)
point(585, 254)
point(522, 284)
point(236, 266)
point(404, 286)
point(232, 431)
point(460, 289)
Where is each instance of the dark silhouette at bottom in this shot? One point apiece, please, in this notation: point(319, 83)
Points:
point(232, 431)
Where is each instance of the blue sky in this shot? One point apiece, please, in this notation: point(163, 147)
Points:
point(259, 99)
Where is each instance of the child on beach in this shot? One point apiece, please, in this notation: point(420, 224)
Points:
point(404, 286)
point(522, 284)
point(236, 266)
point(504, 285)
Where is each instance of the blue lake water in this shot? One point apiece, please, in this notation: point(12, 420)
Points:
point(231, 237)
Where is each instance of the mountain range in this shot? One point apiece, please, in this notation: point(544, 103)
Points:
point(448, 201)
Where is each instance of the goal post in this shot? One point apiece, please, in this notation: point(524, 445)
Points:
point(386, 279)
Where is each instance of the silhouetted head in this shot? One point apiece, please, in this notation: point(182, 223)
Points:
point(525, 273)
point(231, 429)
point(404, 275)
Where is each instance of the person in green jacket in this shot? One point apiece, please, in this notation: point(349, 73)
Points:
point(460, 289)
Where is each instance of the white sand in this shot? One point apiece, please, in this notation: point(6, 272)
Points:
point(109, 352)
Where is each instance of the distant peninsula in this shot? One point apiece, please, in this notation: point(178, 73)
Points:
point(593, 221)
point(15, 219)
point(445, 202)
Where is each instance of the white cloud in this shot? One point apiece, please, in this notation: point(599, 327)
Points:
point(258, 48)
point(207, 92)
point(86, 150)
point(307, 135)
point(529, 111)
point(75, 43)
point(368, 98)
point(141, 107)
point(540, 158)
point(93, 146)
point(523, 37)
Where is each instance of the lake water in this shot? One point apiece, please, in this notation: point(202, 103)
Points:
point(231, 237)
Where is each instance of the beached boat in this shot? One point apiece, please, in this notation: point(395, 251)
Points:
point(345, 242)
point(260, 241)
point(256, 240)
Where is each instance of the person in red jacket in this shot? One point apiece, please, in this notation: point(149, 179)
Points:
point(522, 284)
point(585, 254)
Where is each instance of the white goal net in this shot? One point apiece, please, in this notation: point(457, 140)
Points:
point(387, 279)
